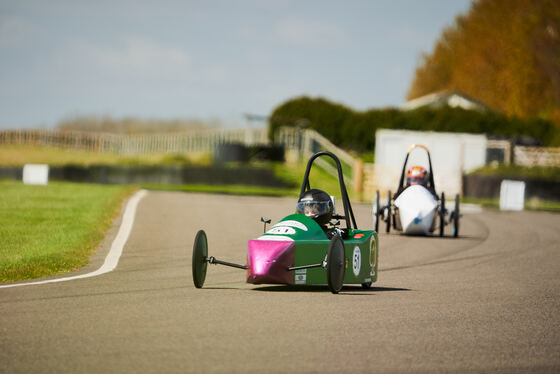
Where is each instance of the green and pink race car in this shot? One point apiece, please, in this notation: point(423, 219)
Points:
point(305, 248)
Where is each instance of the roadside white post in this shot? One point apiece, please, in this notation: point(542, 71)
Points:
point(512, 195)
point(35, 174)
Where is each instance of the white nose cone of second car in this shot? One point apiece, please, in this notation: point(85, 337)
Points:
point(417, 208)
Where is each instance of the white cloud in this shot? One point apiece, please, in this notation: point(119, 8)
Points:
point(310, 33)
point(140, 57)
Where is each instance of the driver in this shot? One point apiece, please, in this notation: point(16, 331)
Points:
point(417, 175)
point(316, 204)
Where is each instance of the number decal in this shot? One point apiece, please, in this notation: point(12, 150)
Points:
point(356, 261)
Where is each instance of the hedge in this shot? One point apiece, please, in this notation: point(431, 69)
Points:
point(355, 130)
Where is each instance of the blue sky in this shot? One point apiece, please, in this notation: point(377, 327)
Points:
point(207, 60)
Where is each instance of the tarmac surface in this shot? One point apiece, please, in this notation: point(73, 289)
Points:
point(487, 301)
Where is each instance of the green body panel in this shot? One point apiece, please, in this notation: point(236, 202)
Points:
point(312, 244)
point(361, 259)
point(300, 227)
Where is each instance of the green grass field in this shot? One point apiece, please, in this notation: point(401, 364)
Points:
point(531, 204)
point(292, 174)
point(52, 229)
point(19, 155)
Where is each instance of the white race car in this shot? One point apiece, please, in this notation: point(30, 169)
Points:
point(416, 208)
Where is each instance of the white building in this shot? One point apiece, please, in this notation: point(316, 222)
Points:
point(452, 99)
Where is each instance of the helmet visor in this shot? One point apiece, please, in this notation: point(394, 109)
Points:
point(416, 180)
point(313, 208)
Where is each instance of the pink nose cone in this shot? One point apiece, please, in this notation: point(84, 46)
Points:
point(268, 261)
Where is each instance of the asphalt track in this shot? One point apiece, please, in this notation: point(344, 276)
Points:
point(488, 301)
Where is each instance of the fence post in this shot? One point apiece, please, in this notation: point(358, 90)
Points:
point(358, 175)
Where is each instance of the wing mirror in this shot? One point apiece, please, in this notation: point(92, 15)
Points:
point(265, 220)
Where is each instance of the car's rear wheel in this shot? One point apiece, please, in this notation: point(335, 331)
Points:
point(336, 262)
point(199, 259)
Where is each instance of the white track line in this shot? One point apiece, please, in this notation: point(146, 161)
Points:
point(112, 259)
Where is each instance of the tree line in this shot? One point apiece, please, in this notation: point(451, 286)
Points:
point(355, 130)
point(505, 53)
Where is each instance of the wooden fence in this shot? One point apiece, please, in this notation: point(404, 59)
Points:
point(304, 142)
point(536, 156)
point(525, 156)
point(192, 141)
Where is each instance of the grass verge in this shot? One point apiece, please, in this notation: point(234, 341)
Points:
point(18, 155)
point(531, 204)
point(46, 230)
point(291, 174)
point(551, 173)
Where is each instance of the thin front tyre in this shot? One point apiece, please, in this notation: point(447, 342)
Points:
point(199, 259)
point(442, 214)
point(389, 213)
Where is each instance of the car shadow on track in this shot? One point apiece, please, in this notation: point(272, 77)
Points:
point(345, 289)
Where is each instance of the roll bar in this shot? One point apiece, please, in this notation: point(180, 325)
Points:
point(431, 185)
point(305, 186)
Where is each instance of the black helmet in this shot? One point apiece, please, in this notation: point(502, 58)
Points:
point(316, 204)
